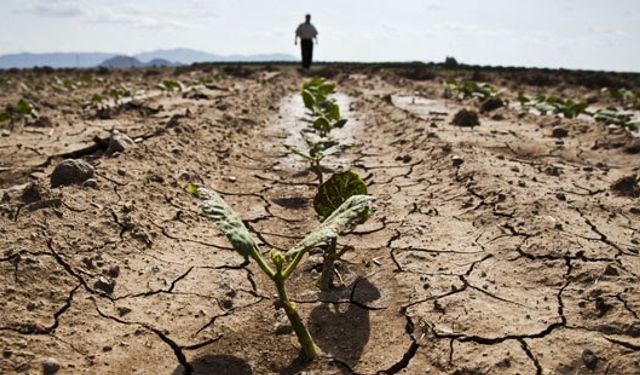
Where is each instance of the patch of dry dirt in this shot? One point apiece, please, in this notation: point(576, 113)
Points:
point(496, 249)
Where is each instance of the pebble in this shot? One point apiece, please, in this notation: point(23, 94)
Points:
point(121, 171)
point(50, 366)
point(114, 271)
point(457, 160)
point(105, 285)
point(559, 132)
point(590, 359)
point(71, 172)
point(231, 178)
point(119, 142)
point(7, 352)
point(90, 183)
point(561, 196)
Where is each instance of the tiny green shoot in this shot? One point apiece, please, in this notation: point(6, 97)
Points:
point(351, 212)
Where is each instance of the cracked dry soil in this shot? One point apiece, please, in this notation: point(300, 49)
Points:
point(519, 260)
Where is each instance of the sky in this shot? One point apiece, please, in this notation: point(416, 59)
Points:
point(577, 34)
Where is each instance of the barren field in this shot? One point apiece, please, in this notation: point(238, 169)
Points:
point(511, 247)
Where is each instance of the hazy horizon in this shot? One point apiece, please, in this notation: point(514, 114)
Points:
point(554, 34)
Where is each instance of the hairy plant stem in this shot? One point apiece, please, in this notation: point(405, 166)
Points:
point(308, 346)
point(327, 266)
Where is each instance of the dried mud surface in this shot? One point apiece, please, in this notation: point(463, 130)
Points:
point(520, 260)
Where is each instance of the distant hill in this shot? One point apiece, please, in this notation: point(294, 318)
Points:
point(175, 56)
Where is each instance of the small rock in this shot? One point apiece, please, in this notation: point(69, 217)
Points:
point(627, 187)
point(31, 193)
point(105, 285)
point(90, 183)
point(559, 132)
point(119, 142)
point(231, 178)
point(114, 271)
point(635, 210)
point(107, 348)
point(121, 171)
point(560, 195)
point(590, 359)
point(184, 176)
point(522, 183)
point(283, 329)
point(491, 103)
point(611, 271)
point(50, 366)
point(156, 178)
point(633, 147)
point(227, 303)
point(122, 311)
point(457, 160)
point(71, 172)
point(7, 352)
point(466, 118)
point(31, 306)
point(515, 168)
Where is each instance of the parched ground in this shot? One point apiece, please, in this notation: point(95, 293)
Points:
point(497, 249)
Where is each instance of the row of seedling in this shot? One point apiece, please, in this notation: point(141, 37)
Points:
point(341, 203)
point(491, 98)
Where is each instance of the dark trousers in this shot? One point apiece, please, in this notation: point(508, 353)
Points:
point(307, 52)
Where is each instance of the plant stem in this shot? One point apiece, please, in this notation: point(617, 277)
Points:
point(255, 254)
point(327, 266)
point(308, 346)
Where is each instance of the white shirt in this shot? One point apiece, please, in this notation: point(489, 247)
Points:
point(306, 31)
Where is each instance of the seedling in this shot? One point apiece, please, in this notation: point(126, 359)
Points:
point(324, 110)
point(22, 110)
point(614, 117)
point(553, 104)
point(171, 85)
point(318, 148)
point(350, 213)
point(471, 89)
point(331, 195)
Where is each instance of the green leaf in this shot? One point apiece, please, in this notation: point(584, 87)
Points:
point(322, 125)
point(4, 116)
point(297, 151)
point(340, 123)
point(336, 190)
point(351, 213)
point(327, 89)
point(24, 108)
point(225, 219)
point(308, 99)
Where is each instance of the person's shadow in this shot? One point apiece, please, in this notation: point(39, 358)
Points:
point(218, 365)
point(343, 330)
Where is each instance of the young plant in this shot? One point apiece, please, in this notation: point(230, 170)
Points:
point(318, 148)
point(22, 110)
point(331, 195)
point(614, 117)
point(352, 212)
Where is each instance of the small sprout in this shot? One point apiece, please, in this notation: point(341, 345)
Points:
point(228, 222)
point(331, 195)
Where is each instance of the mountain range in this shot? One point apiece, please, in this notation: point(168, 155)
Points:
point(166, 57)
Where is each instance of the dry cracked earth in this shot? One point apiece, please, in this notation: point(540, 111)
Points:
point(497, 249)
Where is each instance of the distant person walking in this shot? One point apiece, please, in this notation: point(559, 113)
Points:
point(307, 33)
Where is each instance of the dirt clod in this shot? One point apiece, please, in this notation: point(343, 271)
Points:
point(50, 366)
point(466, 118)
point(559, 132)
point(71, 172)
point(105, 285)
point(90, 183)
point(119, 142)
point(590, 359)
point(627, 187)
point(490, 104)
